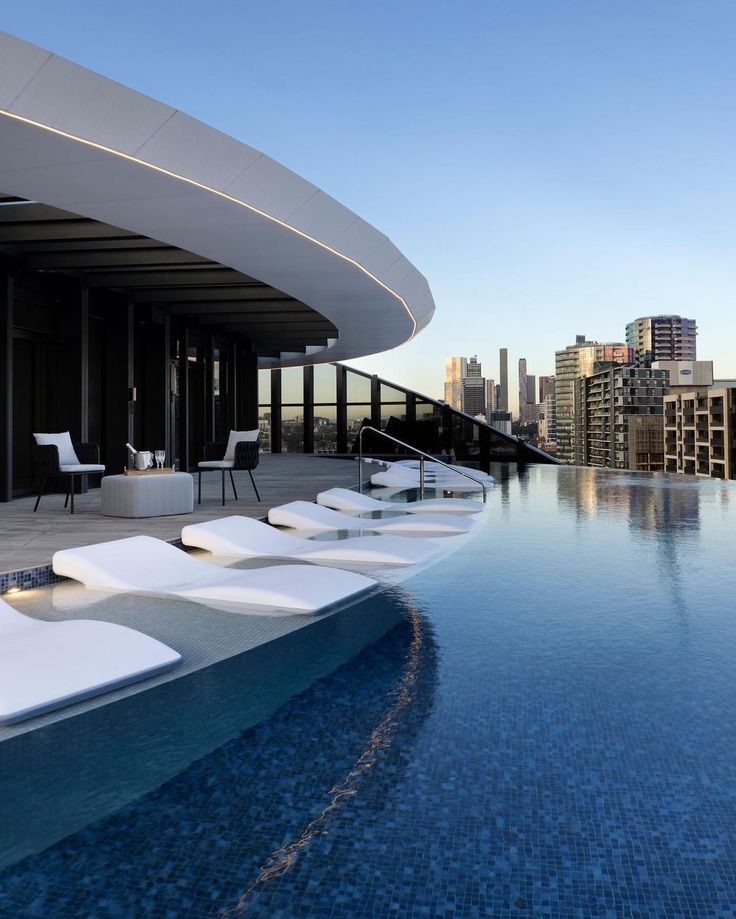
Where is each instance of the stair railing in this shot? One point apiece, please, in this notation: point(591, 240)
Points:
point(423, 457)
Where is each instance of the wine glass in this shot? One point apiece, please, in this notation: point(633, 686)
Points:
point(160, 456)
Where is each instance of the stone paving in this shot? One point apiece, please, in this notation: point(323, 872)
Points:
point(28, 540)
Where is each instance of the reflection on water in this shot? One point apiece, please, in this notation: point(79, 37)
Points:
point(382, 736)
point(289, 777)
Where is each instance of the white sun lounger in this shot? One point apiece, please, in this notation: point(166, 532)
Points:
point(243, 537)
point(142, 564)
point(46, 665)
point(439, 469)
point(305, 516)
point(353, 502)
point(404, 478)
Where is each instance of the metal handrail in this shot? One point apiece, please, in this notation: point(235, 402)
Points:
point(422, 458)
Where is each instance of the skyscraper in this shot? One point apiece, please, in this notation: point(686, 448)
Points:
point(503, 361)
point(528, 411)
point(455, 370)
point(490, 396)
point(522, 389)
point(662, 338)
point(575, 361)
point(546, 385)
point(473, 389)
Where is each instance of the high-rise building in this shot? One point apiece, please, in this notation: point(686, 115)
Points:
point(455, 370)
point(700, 432)
point(528, 411)
point(604, 403)
point(575, 361)
point(490, 396)
point(662, 338)
point(473, 389)
point(503, 363)
point(548, 421)
point(546, 385)
point(522, 389)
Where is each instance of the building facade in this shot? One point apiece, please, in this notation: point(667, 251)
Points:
point(687, 375)
point(700, 432)
point(662, 338)
point(604, 403)
point(546, 385)
point(503, 372)
point(150, 266)
point(455, 372)
point(575, 361)
point(473, 389)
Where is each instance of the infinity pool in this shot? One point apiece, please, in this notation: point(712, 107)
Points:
point(542, 724)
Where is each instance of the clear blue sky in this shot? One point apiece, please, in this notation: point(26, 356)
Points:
point(553, 166)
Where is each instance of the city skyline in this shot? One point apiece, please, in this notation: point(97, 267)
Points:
point(581, 176)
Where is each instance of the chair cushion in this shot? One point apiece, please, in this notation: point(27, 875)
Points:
point(62, 440)
point(81, 467)
point(217, 464)
point(235, 438)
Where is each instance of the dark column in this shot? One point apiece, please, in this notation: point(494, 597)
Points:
point(71, 386)
point(232, 387)
point(309, 409)
point(342, 409)
point(275, 411)
point(84, 364)
point(6, 387)
point(130, 361)
point(117, 412)
point(484, 444)
point(375, 402)
point(209, 388)
point(183, 432)
point(153, 388)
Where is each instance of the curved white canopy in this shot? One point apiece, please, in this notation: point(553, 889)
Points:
point(78, 141)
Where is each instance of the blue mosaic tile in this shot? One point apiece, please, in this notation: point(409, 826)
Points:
point(550, 731)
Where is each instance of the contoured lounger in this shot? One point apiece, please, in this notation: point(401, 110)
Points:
point(243, 537)
point(302, 515)
point(46, 665)
point(353, 502)
point(439, 469)
point(142, 564)
point(402, 477)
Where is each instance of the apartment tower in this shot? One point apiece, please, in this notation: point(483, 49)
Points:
point(579, 360)
point(662, 338)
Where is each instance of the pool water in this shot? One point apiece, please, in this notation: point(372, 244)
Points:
point(547, 727)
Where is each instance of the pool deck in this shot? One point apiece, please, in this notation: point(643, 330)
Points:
point(28, 540)
point(202, 633)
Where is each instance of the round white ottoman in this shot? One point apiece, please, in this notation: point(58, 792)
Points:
point(147, 495)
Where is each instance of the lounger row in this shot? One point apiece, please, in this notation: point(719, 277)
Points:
point(46, 665)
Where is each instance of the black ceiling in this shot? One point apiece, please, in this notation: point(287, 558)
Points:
point(43, 238)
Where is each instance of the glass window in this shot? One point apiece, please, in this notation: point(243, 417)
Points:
point(359, 388)
point(389, 394)
point(356, 415)
point(292, 385)
point(264, 423)
point(292, 429)
point(427, 410)
point(264, 387)
point(325, 429)
point(325, 383)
